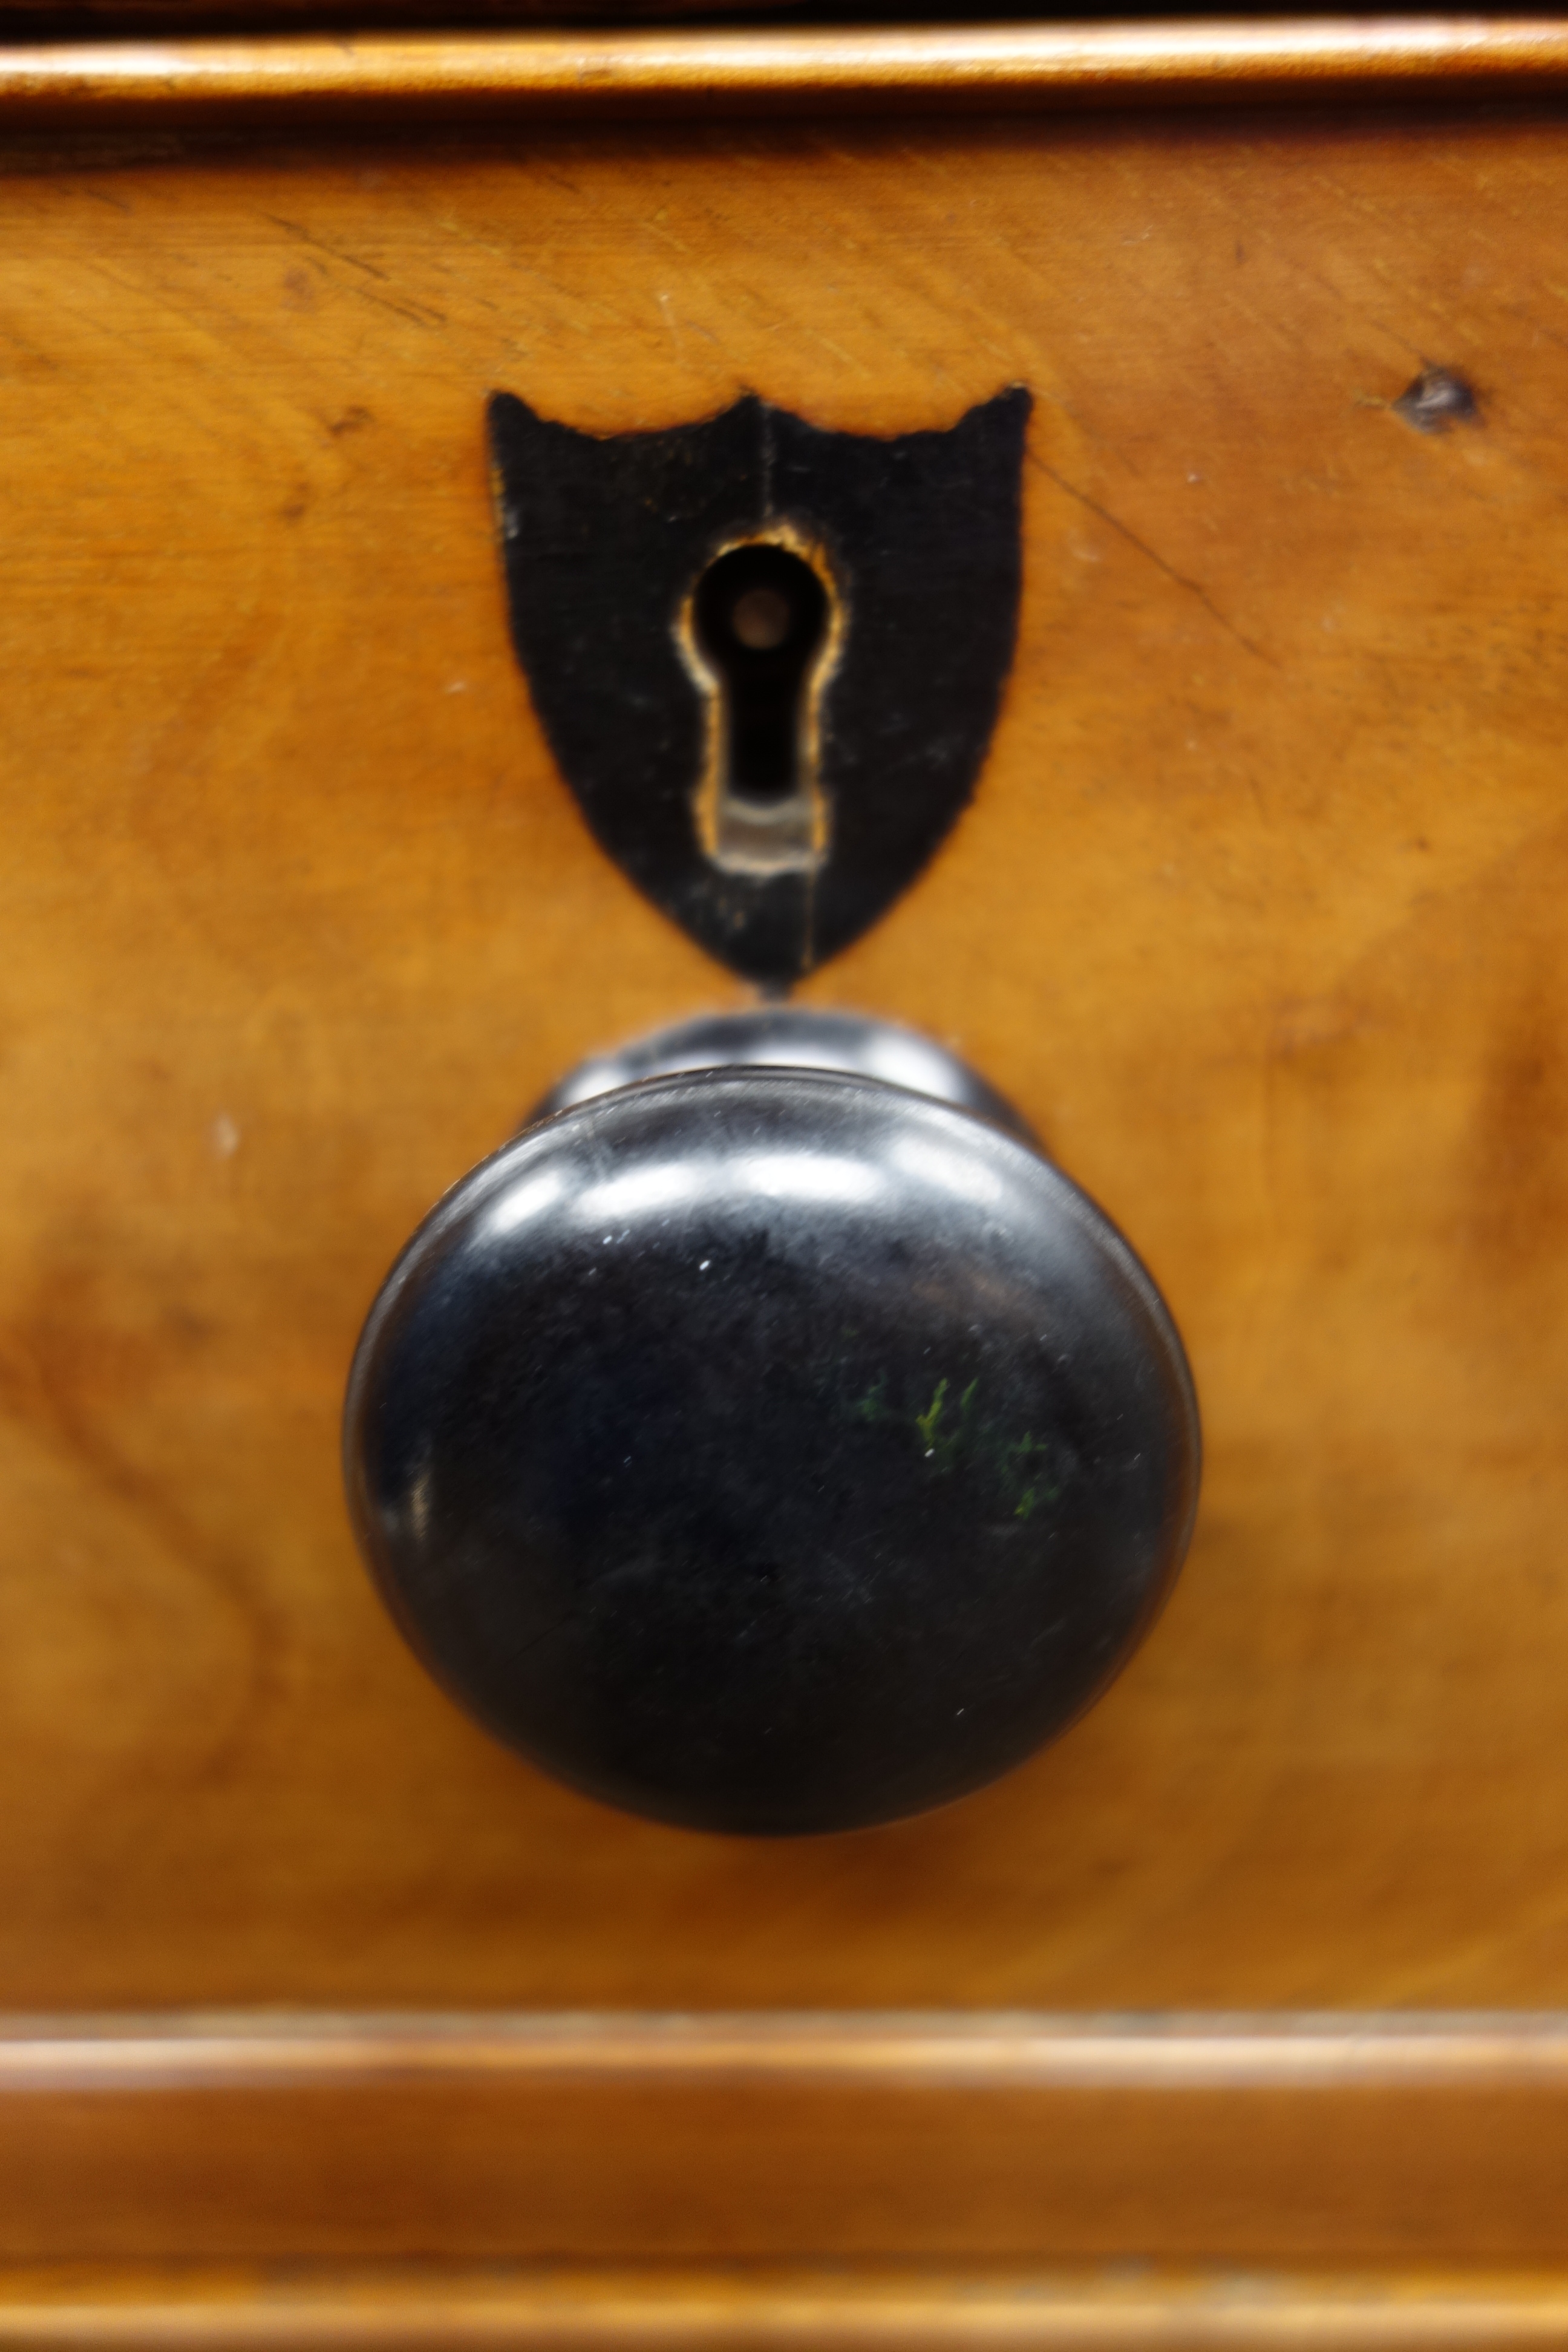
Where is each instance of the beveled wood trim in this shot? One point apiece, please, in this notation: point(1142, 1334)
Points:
point(416, 2310)
point(958, 2050)
point(975, 69)
point(969, 2139)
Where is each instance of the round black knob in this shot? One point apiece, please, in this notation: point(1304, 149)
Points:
point(773, 1448)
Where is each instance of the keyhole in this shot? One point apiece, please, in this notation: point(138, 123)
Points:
point(759, 618)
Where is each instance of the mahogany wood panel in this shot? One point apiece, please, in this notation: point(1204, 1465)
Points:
point(1259, 913)
point(855, 2139)
point(438, 2309)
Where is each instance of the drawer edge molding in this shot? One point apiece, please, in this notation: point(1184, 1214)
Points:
point(420, 2309)
point(969, 2137)
point(960, 68)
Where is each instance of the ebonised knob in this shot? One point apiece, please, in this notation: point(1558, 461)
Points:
point(769, 1439)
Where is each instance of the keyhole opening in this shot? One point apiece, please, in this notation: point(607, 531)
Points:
point(759, 619)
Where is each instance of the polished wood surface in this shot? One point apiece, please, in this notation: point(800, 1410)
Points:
point(1258, 914)
point(855, 69)
point(433, 2308)
point(855, 2138)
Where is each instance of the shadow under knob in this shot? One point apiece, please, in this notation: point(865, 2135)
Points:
point(770, 1449)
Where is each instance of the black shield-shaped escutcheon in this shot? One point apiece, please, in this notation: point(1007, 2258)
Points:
point(915, 542)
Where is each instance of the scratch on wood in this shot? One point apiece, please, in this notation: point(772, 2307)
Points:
point(419, 314)
point(1180, 579)
point(320, 245)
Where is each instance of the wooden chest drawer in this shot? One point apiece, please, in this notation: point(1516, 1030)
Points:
point(1257, 913)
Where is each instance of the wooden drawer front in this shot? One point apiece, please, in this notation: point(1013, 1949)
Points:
point(1259, 913)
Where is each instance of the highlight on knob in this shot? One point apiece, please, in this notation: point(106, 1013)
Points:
point(769, 1439)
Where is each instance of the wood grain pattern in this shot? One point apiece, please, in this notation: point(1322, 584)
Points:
point(419, 2308)
point(1258, 914)
point(858, 69)
point(854, 2139)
